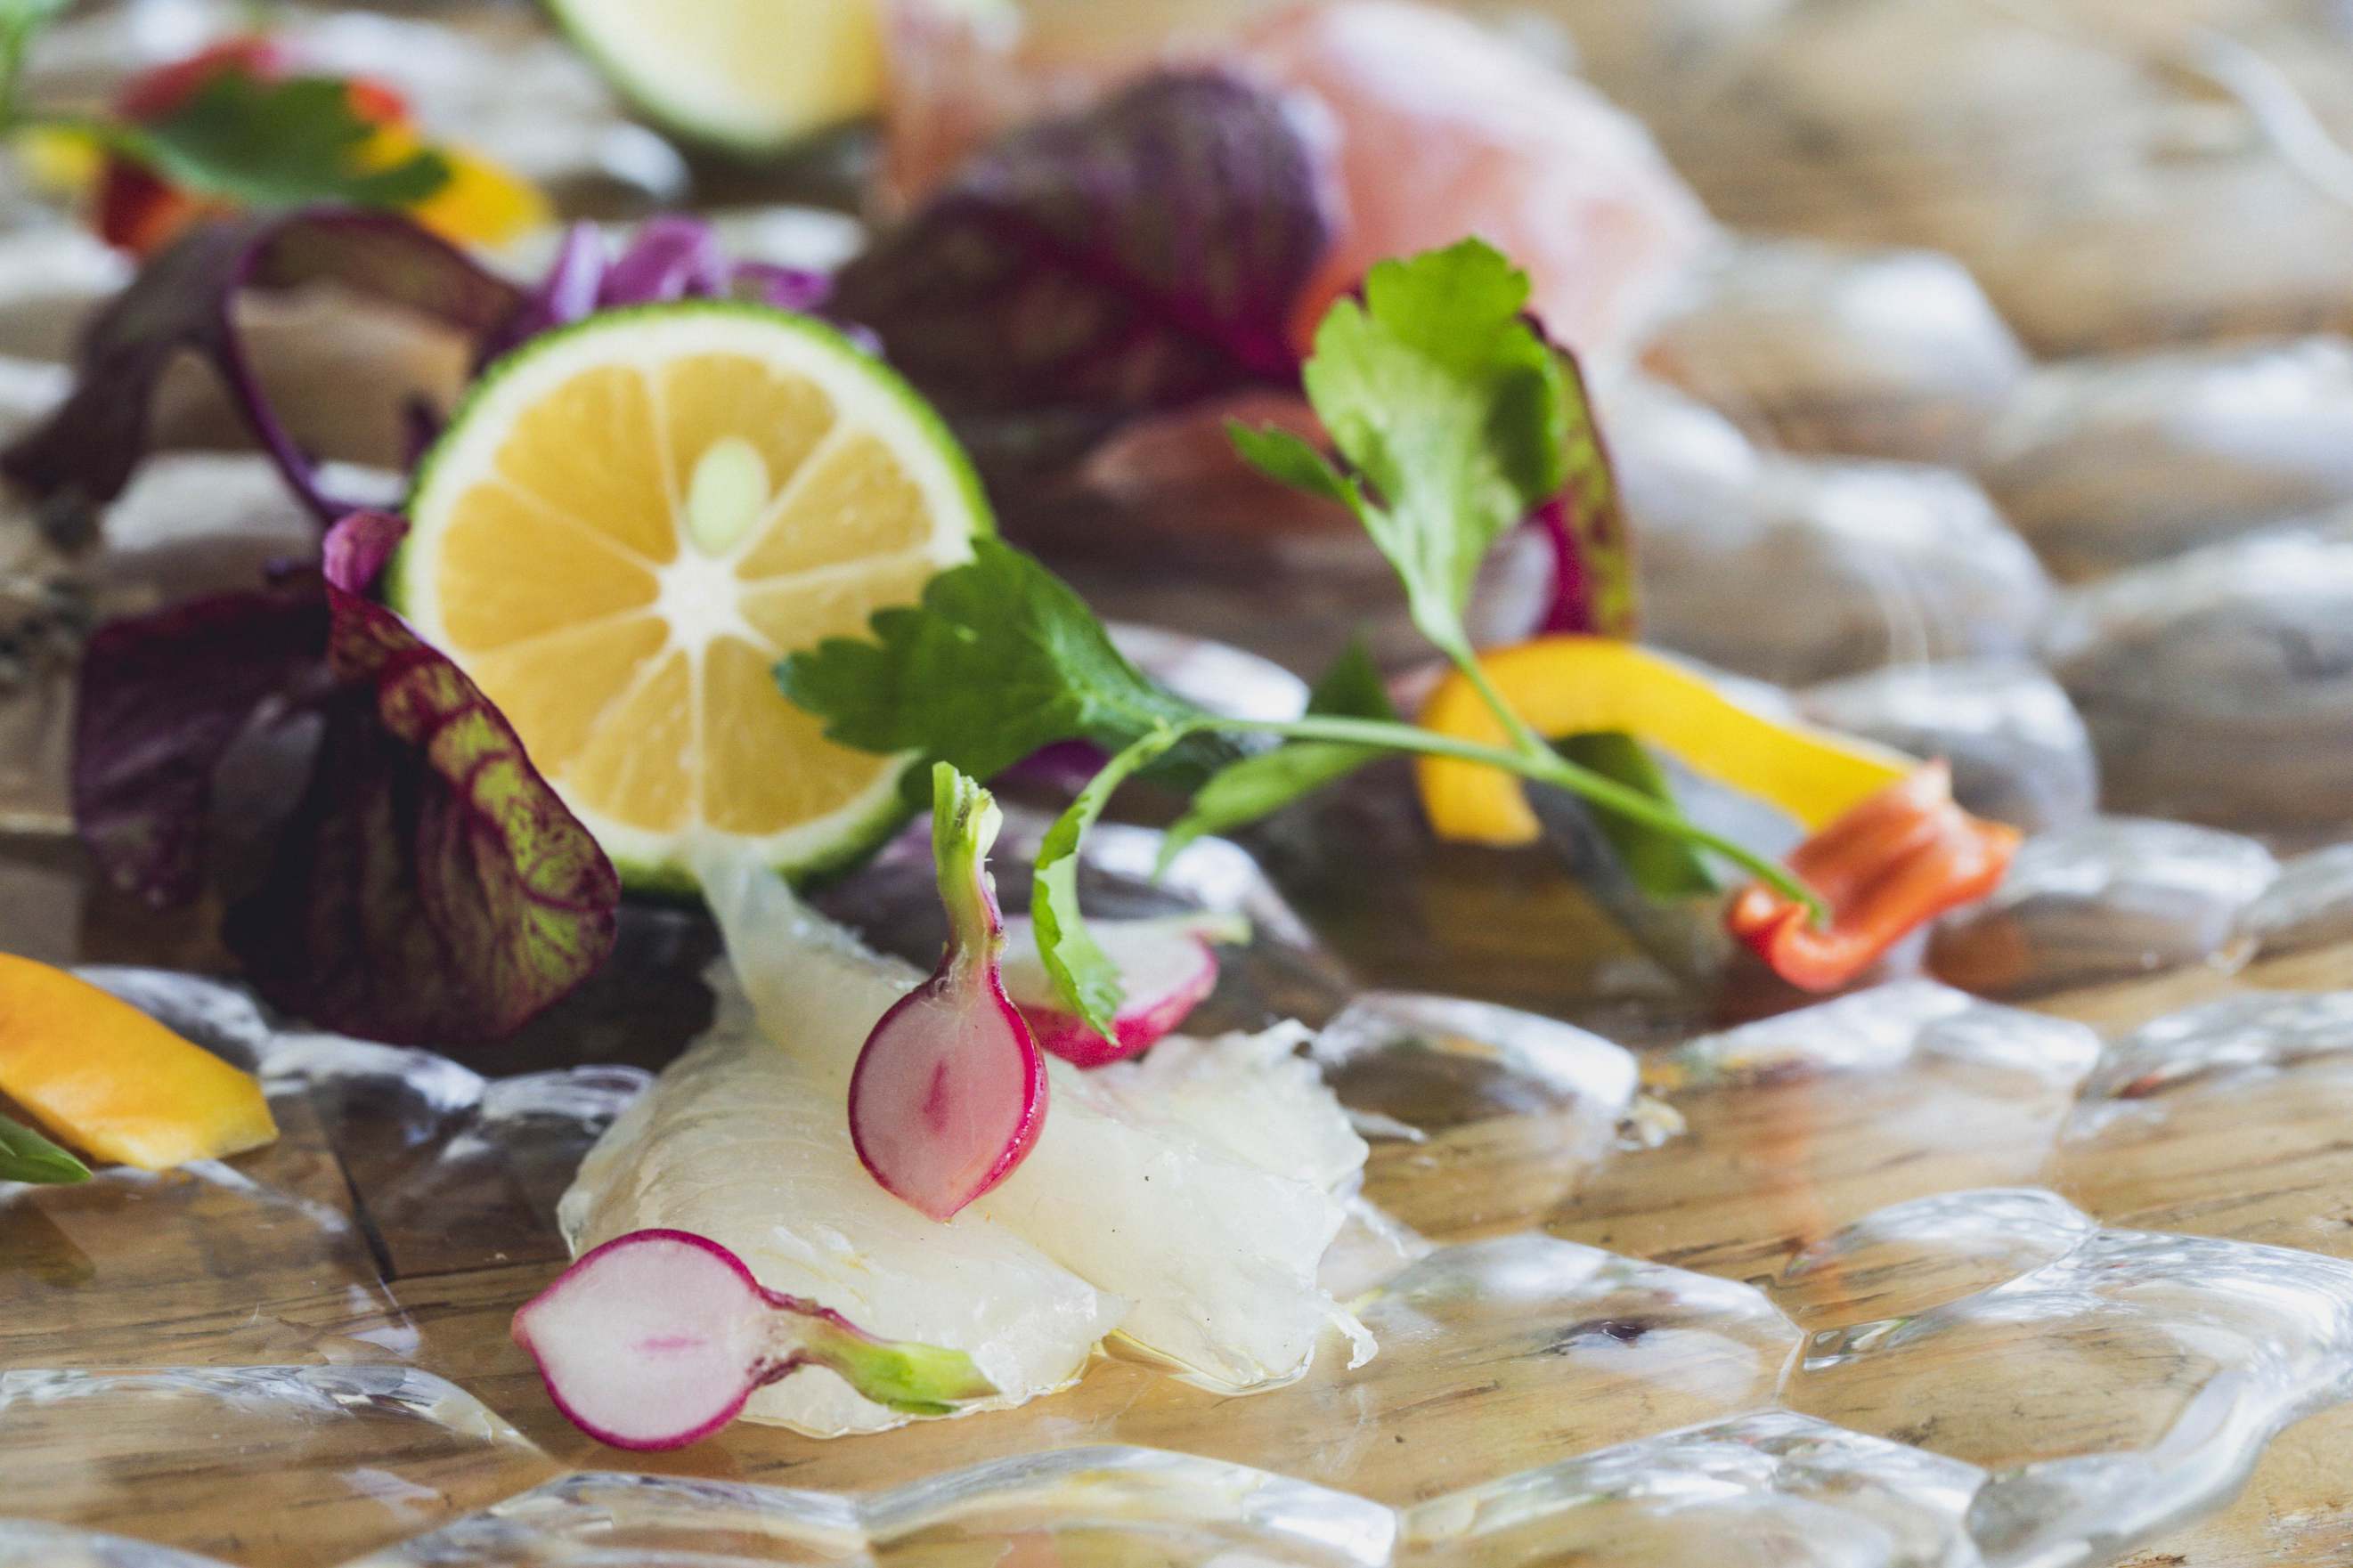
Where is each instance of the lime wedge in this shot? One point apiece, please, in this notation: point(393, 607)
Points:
point(751, 75)
point(628, 524)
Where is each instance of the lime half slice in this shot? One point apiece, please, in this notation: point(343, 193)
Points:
point(628, 524)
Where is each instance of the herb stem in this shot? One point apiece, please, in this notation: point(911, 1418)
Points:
point(1523, 734)
point(1543, 766)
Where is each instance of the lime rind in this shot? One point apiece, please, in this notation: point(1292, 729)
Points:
point(651, 864)
point(628, 69)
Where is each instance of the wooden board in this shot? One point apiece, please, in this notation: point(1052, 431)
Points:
point(318, 1253)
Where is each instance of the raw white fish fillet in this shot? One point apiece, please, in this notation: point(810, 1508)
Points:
point(746, 1143)
point(1185, 1200)
point(1205, 1193)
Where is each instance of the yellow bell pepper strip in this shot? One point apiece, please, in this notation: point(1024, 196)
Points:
point(99, 1075)
point(1569, 685)
point(1897, 861)
point(141, 209)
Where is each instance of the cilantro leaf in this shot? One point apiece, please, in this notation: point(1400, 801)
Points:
point(1285, 458)
point(999, 658)
point(1352, 688)
point(1243, 792)
point(284, 143)
point(27, 1157)
point(1452, 409)
point(1083, 974)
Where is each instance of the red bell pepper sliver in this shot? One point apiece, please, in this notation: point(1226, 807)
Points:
point(1891, 864)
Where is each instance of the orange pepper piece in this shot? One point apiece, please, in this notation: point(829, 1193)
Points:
point(101, 1075)
point(1892, 864)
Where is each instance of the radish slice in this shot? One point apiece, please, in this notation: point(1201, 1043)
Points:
point(949, 1092)
point(1167, 968)
point(656, 1338)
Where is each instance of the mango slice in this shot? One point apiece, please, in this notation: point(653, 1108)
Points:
point(99, 1075)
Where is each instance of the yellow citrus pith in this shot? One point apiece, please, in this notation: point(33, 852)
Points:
point(626, 531)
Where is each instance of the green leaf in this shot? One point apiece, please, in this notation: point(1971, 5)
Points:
point(1286, 459)
point(283, 144)
point(1663, 865)
point(1353, 688)
point(1451, 406)
point(998, 659)
point(27, 1157)
point(1243, 792)
point(1083, 976)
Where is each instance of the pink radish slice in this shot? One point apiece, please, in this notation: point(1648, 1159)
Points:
point(656, 1338)
point(1167, 968)
point(949, 1092)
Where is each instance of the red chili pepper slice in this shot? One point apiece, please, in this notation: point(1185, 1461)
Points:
point(1894, 863)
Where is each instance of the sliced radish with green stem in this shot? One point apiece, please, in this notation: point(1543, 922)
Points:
point(656, 1338)
point(1167, 968)
point(949, 1092)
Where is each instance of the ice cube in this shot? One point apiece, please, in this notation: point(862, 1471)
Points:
point(2019, 750)
point(1820, 348)
point(355, 1456)
point(2119, 1389)
point(2161, 1139)
point(2106, 463)
point(1800, 1124)
point(1901, 1260)
point(2107, 899)
point(2309, 906)
point(1480, 1115)
point(1768, 1490)
point(1119, 1504)
point(1821, 568)
point(28, 1543)
point(2218, 684)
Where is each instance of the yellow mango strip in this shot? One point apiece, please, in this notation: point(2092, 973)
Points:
point(99, 1074)
point(1566, 686)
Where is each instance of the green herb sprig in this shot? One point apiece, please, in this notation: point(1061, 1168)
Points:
point(28, 1156)
point(1454, 417)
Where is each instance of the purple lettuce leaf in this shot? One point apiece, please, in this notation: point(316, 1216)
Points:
point(162, 698)
point(431, 887)
point(84, 454)
point(670, 258)
point(1146, 254)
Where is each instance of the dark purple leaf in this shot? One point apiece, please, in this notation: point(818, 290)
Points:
point(162, 698)
point(83, 455)
point(431, 887)
point(1146, 254)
